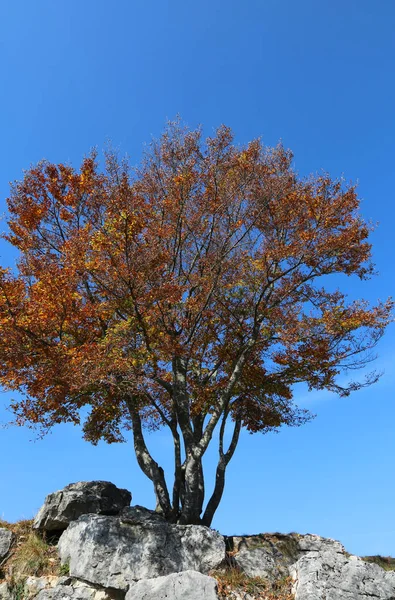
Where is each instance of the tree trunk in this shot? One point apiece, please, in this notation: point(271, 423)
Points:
point(192, 504)
point(215, 499)
point(224, 458)
point(148, 465)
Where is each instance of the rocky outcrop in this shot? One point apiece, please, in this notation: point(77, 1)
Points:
point(133, 553)
point(76, 499)
point(114, 552)
point(188, 585)
point(320, 567)
point(6, 540)
point(328, 572)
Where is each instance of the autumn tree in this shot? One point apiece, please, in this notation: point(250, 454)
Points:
point(188, 293)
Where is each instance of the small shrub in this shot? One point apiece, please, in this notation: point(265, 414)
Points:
point(64, 569)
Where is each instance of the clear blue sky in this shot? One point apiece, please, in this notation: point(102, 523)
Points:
point(318, 75)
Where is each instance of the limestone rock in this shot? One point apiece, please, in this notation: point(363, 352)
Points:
point(29, 588)
point(113, 552)
point(76, 499)
point(5, 592)
point(267, 555)
point(333, 575)
point(188, 585)
point(34, 585)
point(138, 514)
point(68, 588)
point(6, 540)
point(320, 567)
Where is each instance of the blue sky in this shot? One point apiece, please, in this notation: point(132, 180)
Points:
point(317, 75)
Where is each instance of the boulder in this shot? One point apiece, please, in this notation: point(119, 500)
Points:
point(6, 540)
point(188, 585)
point(76, 499)
point(114, 553)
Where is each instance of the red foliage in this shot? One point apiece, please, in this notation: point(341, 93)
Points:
point(204, 251)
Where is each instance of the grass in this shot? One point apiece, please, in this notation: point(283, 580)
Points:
point(385, 562)
point(20, 528)
point(30, 555)
point(234, 580)
point(17, 589)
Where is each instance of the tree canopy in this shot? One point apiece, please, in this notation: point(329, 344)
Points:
point(186, 293)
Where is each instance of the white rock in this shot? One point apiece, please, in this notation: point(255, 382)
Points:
point(332, 575)
point(188, 585)
point(70, 589)
point(33, 585)
point(109, 552)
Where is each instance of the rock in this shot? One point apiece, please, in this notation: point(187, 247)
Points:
point(6, 540)
point(320, 567)
point(33, 585)
point(316, 543)
point(5, 592)
point(268, 555)
point(113, 552)
point(68, 588)
point(27, 589)
point(76, 499)
point(138, 514)
point(329, 573)
point(188, 585)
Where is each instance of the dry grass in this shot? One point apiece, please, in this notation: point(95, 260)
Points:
point(233, 579)
point(385, 562)
point(30, 554)
point(20, 528)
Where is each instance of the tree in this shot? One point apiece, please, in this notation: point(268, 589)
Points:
point(186, 293)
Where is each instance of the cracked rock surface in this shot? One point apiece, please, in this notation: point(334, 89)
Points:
point(188, 585)
point(69, 589)
point(76, 499)
point(329, 573)
point(320, 567)
point(114, 552)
